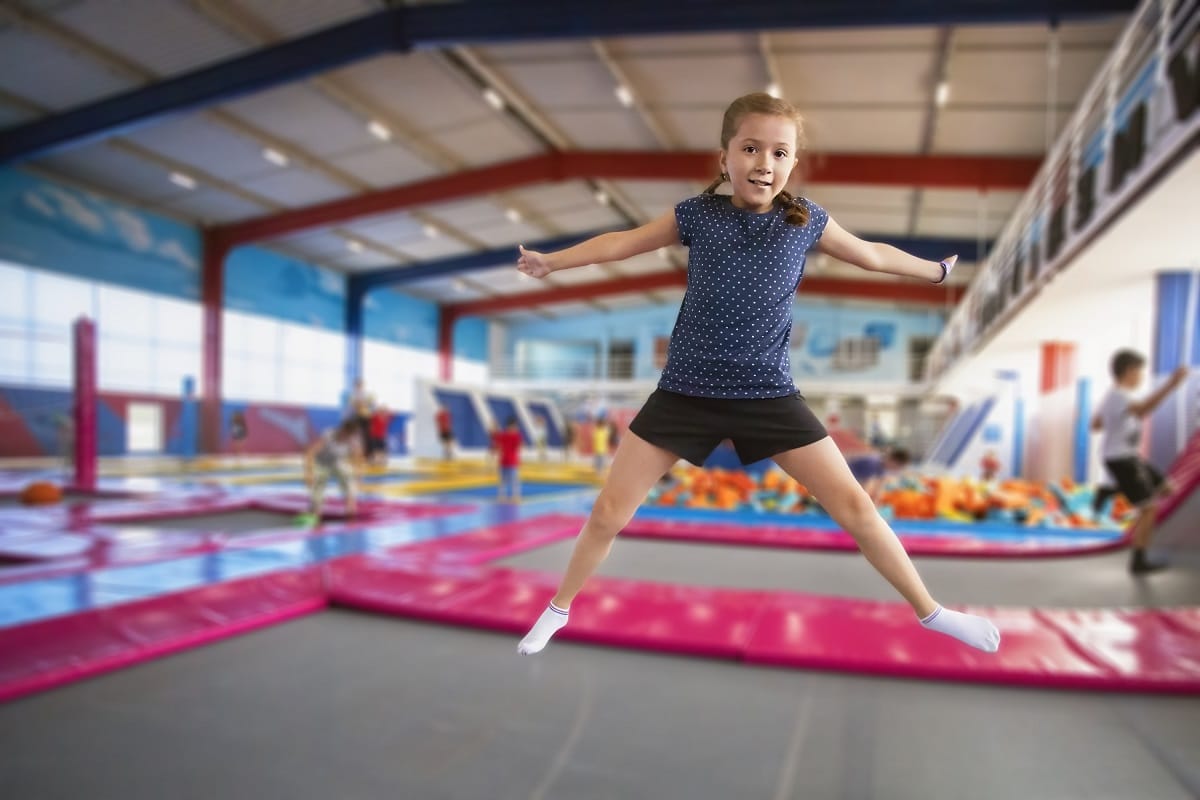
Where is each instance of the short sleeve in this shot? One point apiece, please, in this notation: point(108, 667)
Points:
point(818, 218)
point(687, 213)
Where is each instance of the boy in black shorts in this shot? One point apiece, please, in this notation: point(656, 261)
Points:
point(1121, 418)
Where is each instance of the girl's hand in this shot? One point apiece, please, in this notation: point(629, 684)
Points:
point(533, 263)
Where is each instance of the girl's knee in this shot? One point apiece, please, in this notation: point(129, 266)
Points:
point(853, 508)
point(609, 515)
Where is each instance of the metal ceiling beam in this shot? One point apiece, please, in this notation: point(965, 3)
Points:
point(947, 172)
point(888, 291)
point(363, 282)
point(440, 25)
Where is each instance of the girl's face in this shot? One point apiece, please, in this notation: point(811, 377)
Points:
point(760, 159)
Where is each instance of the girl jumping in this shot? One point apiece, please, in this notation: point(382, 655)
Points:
point(728, 374)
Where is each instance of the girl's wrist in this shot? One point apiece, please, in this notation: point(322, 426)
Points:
point(945, 268)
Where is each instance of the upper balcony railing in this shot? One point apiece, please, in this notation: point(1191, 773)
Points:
point(1138, 113)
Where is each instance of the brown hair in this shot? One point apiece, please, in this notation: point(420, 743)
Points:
point(1125, 360)
point(763, 103)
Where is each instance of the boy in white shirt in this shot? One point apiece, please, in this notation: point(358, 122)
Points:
point(1122, 417)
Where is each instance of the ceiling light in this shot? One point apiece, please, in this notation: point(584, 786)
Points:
point(624, 95)
point(602, 197)
point(943, 93)
point(379, 130)
point(493, 98)
point(513, 215)
point(183, 179)
point(431, 231)
point(354, 246)
point(275, 157)
point(774, 90)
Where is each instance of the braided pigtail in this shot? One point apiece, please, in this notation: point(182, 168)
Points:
point(797, 209)
point(712, 187)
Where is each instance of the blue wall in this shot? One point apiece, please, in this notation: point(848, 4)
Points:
point(817, 332)
point(471, 339)
point(62, 229)
point(393, 317)
point(262, 282)
point(390, 316)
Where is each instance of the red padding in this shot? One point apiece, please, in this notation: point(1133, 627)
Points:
point(1185, 475)
point(1138, 651)
point(49, 653)
point(786, 536)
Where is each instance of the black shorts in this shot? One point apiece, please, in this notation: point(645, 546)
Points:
point(691, 427)
point(1135, 479)
point(446, 436)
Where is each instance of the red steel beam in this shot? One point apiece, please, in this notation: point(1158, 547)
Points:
point(942, 172)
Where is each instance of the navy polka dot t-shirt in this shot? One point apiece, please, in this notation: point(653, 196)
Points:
point(733, 330)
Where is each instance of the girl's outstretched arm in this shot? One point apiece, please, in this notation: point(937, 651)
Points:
point(606, 247)
point(836, 241)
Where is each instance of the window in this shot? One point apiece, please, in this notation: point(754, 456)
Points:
point(272, 361)
point(146, 343)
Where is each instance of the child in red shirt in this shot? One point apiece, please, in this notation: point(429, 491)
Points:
point(508, 449)
point(377, 448)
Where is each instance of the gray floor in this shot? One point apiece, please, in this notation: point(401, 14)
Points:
point(225, 522)
point(1086, 581)
point(351, 706)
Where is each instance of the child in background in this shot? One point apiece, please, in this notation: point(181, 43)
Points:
point(238, 432)
point(337, 454)
point(539, 437)
point(989, 467)
point(1121, 418)
point(445, 429)
point(507, 444)
point(601, 441)
point(377, 450)
point(894, 462)
point(568, 441)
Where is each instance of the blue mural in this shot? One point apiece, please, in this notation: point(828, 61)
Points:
point(471, 339)
point(263, 282)
point(68, 230)
point(390, 316)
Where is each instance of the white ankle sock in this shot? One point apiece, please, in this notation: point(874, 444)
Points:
point(549, 623)
point(969, 629)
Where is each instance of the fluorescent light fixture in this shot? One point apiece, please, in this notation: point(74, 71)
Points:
point(513, 215)
point(602, 197)
point(431, 231)
point(275, 157)
point(624, 95)
point(379, 130)
point(493, 98)
point(354, 246)
point(943, 93)
point(183, 179)
point(774, 90)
